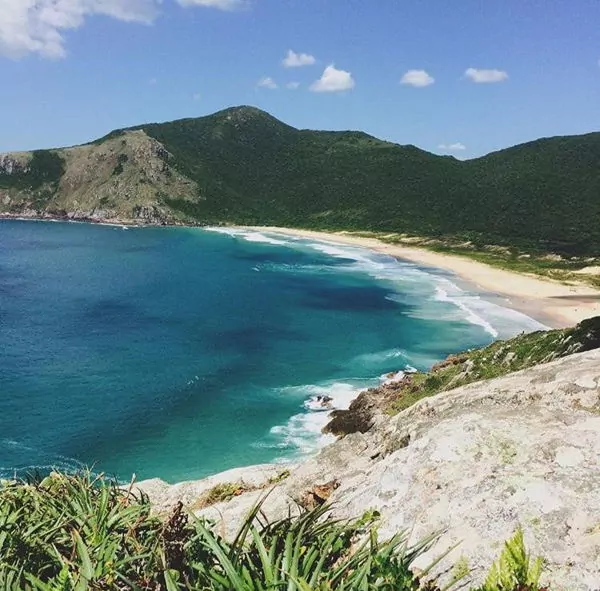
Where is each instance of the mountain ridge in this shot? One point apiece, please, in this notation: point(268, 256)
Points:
point(241, 165)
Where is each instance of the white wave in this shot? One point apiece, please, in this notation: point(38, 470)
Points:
point(415, 286)
point(441, 295)
point(302, 435)
point(248, 235)
point(427, 294)
point(392, 378)
point(380, 357)
point(497, 320)
point(39, 460)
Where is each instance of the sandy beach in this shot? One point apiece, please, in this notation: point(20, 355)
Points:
point(555, 304)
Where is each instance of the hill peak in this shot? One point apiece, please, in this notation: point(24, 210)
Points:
point(245, 113)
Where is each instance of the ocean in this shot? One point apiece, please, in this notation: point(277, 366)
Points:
point(181, 352)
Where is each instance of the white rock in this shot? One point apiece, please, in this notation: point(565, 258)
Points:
point(483, 459)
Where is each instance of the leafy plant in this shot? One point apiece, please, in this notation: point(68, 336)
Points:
point(84, 532)
point(514, 570)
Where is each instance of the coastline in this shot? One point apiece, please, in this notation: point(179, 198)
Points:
point(550, 302)
point(554, 304)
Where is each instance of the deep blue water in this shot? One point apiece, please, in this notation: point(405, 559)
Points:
point(177, 352)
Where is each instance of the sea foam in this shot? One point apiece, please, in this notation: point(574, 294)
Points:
point(438, 298)
point(406, 279)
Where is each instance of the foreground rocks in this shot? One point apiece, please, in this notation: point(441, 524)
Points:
point(474, 463)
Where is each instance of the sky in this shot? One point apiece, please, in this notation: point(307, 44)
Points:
point(460, 77)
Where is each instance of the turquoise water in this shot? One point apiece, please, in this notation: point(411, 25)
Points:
point(178, 352)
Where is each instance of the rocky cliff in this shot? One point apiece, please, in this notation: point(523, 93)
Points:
point(121, 179)
point(473, 463)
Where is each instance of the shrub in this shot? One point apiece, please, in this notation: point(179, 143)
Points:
point(72, 533)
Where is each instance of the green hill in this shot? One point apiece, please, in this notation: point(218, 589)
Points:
point(243, 166)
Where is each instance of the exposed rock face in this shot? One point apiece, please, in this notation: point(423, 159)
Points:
point(12, 164)
point(358, 418)
point(475, 463)
point(122, 179)
point(365, 411)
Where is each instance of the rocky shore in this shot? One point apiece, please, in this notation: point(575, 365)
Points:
point(472, 463)
point(146, 217)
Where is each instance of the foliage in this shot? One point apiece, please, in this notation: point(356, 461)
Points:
point(253, 169)
point(514, 569)
point(250, 168)
point(221, 492)
point(495, 360)
point(121, 160)
point(44, 167)
point(278, 478)
point(71, 533)
point(531, 260)
point(225, 491)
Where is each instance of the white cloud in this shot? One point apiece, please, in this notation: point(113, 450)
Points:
point(267, 82)
point(196, 96)
point(293, 85)
point(333, 80)
point(220, 4)
point(296, 60)
point(485, 76)
point(456, 147)
point(39, 26)
point(417, 78)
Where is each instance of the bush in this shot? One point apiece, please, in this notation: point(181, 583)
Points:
point(71, 533)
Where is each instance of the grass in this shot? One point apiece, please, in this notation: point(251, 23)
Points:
point(279, 478)
point(225, 491)
point(220, 493)
point(520, 260)
point(79, 532)
point(495, 360)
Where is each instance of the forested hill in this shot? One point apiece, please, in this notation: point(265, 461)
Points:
point(243, 166)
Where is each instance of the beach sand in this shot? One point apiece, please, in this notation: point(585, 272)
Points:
point(553, 303)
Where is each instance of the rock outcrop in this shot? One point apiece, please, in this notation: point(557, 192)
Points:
point(473, 463)
point(402, 390)
point(121, 179)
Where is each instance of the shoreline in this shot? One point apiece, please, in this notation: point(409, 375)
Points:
point(552, 303)
point(538, 298)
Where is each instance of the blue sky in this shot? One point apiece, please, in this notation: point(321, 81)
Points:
point(72, 70)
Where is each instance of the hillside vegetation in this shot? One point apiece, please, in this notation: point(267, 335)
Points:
point(244, 166)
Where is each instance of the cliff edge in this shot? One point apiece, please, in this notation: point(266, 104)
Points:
point(473, 463)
